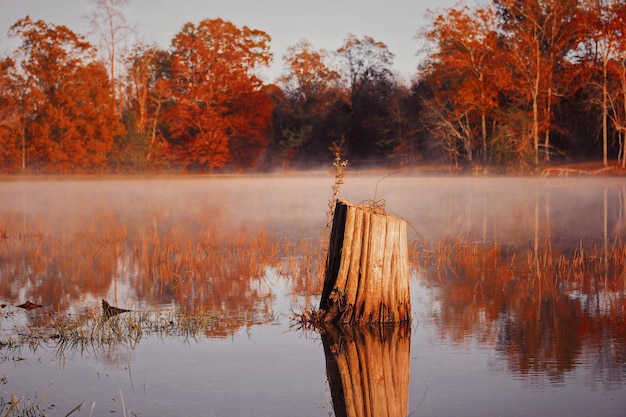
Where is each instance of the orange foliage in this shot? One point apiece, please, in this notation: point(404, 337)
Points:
point(308, 78)
point(543, 36)
point(468, 76)
point(11, 121)
point(214, 89)
point(67, 105)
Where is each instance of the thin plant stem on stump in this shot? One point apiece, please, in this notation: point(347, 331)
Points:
point(339, 165)
point(367, 267)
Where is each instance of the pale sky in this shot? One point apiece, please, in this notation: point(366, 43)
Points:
point(324, 23)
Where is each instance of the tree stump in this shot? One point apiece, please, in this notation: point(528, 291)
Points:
point(367, 267)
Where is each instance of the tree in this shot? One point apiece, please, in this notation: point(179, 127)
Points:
point(307, 75)
point(109, 22)
point(311, 88)
point(539, 36)
point(213, 73)
point(367, 74)
point(11, 120)
point(601, 30)
point(147, 91)
point(251, 135)
point(618, 103)
point(68, 112)
point(467, 79)
point(404, 125)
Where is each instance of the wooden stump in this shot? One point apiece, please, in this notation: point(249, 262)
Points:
point(368, 369)
point(367, 267)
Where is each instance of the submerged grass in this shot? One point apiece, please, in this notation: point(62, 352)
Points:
point(97, 334)
point(94, 332)
point(83, 332)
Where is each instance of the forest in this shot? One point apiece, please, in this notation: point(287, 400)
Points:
point(513, 85)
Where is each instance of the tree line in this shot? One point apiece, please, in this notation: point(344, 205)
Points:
point(516, 84)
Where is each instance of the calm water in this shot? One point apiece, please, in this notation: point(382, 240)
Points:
point(488, 338)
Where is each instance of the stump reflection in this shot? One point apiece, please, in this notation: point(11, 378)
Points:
point(368, 369)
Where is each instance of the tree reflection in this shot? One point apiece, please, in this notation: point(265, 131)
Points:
point(542, 308)
point(200, 269)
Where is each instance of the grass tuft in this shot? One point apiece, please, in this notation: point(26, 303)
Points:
point(25, 407)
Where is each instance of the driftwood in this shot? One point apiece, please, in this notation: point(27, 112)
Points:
point(367, 268)
point(110, 311)
point(29, 305)
point(368, 369)
point(564, 172)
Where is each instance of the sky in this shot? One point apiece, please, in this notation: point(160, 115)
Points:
point(324, 23)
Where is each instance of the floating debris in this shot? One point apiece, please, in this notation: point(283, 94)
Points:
point(28, 305)
point(110, 311)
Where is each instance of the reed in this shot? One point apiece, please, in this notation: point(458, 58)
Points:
point(582, 267)
point(176, 261)
point(93, 332)
point(96, 332)
point(303, 263)
point(3, 231)
point(12, 342)
point(27, 407)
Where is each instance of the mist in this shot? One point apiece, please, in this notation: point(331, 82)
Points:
point(503, 209)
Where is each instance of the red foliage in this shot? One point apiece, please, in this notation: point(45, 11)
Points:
point(218, 101)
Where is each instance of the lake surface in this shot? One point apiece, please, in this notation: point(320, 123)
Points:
point(517, 288)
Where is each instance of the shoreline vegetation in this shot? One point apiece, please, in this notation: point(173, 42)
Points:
point(582, 169)
point(201, 105)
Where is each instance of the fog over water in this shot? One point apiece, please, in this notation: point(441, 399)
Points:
point(436, 207)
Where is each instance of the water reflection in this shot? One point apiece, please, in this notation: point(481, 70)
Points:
point(546, 307)
point(533, 269)
point(368, 369)
point(208, 269)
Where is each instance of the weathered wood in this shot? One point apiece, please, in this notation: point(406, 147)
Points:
point(109, 311)
point(368, 369)
point(367, 268)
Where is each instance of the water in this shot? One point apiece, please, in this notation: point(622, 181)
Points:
point(486, 339)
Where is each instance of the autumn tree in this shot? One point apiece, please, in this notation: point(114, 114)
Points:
point(67, 107)
point(601, 31)
point(466, 77)
point(147, 92)
point(497, 75)
point(311, 90)
point(539, 36)
point(214, 82)
point(11, 120)
point(109, 23)
point(618, 100)
point(146, 84)
point(366, 68)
